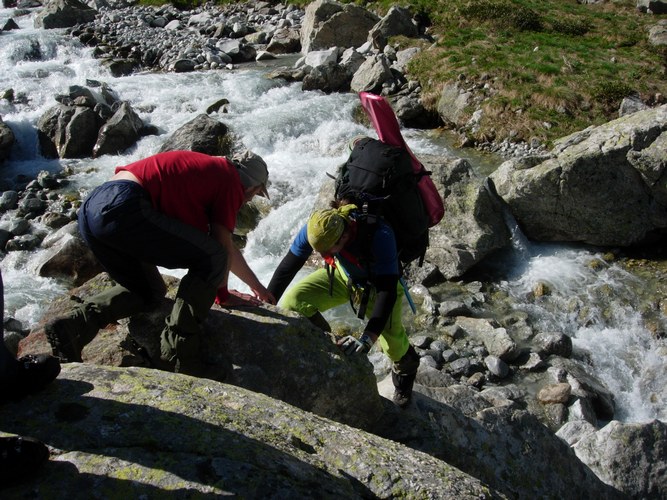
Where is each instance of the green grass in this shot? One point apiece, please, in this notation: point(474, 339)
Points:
point(555, 66)
point(557, 63)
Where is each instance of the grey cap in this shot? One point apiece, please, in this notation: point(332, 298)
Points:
point(252, 170)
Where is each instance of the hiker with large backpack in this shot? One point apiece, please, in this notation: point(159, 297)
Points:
point(334, 233)
point(376, 224)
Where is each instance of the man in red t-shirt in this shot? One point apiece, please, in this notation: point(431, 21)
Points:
point(175, 210)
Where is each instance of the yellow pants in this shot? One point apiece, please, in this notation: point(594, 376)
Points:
point(311, 295)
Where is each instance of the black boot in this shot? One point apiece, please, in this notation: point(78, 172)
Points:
point(32, 373)
point(20, 457)
point(70, 334)
point(403, 376)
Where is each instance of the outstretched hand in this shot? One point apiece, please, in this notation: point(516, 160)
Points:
point(265, 296)
point(239, 299)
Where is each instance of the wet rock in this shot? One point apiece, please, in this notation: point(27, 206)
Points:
point(496, 340)
point(9, 200)
point(586, 386)
point(7, 139)
point(120, 132)
point(546, 344)
point(64, 14)
point(557, 393)
point(66, 256)
point(497, 366)
point(202, 134)
point(68, 130)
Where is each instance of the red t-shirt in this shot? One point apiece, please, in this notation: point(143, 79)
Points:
point(194, 188)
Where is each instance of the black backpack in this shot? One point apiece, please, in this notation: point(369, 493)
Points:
point(380, 180)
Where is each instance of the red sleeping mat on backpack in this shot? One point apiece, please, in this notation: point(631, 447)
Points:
point(386, 125)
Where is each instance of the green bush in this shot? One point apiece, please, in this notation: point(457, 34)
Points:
point(572, 27)
point(504, 14)
point(611, 92)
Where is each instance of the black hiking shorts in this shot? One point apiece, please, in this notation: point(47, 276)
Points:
point(130, 238)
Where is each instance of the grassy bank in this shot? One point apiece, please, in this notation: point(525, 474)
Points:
point(552, 67)
point(544, 68)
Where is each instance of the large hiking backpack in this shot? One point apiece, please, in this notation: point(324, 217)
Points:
point(380, 180)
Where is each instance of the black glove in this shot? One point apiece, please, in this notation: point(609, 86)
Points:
point(352, 345)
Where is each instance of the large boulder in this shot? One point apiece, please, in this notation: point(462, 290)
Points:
point(285, 41)
point(453, 103)
point(66, 256)
point(373, 73)
point(328, 23)
point(639, 469)
point(597, 186)
point(64, 14)
point(280, 355)
point(473, 226)
point(84, 124)
point(202, 134)
point(80, 133)
point(120, 132)
point(139, 433)
point(51, 128)
point(398, 21)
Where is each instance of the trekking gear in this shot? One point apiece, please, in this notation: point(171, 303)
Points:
point(70, 334)
point(20, 457)
point(408, 296)
point(388, 130)
point(385, 179)
point(379, 179)
point(402, 389)
point(352, 345)
point(403, 376)
point(32, 373)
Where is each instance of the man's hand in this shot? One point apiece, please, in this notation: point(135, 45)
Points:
point(351, 345)
point(238, 299)
point(264, 295)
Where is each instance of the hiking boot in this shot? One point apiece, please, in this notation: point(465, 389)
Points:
point(36, 371)
point(402, 398)
point(69, 335)
point(33, 373)
point(19, 457)
point(403, 376)
point(402, 388)
point(184, 354)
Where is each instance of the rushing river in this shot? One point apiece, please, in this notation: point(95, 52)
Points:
point(302, 136)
